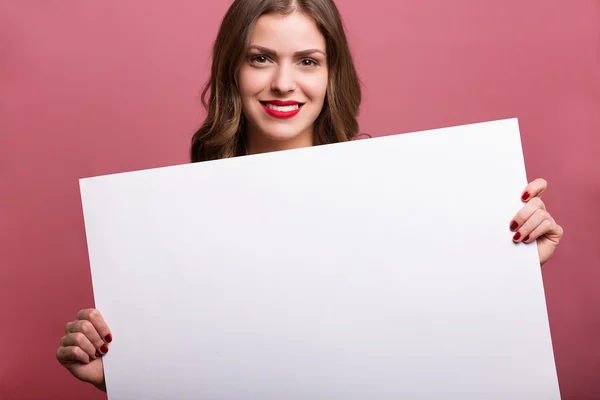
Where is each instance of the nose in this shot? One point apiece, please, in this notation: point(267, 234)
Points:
point(284, 80)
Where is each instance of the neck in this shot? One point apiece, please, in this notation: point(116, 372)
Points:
point(257, 142)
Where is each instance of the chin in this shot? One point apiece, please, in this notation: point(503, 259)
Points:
point(282, 132)
point(282, 136)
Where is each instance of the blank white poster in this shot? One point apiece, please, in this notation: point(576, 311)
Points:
point(374, 269)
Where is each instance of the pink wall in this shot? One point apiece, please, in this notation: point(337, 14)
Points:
point(90, 88)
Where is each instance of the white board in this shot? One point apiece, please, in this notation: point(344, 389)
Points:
point(374, 269)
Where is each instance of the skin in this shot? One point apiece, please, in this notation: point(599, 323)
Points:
point(286, 60)
point(285, 76)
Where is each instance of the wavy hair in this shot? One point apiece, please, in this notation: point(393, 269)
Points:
point(222, 134)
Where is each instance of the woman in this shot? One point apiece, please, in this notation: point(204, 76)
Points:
point(291, 83)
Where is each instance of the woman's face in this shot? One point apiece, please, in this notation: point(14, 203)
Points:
point(283, 82)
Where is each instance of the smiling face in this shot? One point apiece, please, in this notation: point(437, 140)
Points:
point(283, 82)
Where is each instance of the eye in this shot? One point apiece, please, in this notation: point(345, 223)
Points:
point(259, 59)
point(309, 62)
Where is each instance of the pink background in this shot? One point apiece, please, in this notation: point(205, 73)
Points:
point(90, 88)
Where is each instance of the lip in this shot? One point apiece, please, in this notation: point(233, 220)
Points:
point(281, 103)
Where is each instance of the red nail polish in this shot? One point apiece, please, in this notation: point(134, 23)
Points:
point(525, 196)
point(108, 338)
point(104, 349)
point(97, 354)
point(526, 238)
point(513, 225)
point(517, 236)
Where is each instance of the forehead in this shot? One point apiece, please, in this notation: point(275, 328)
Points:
point(287, 33)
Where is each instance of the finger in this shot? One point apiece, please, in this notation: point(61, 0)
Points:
point(534, 189)
point(72, 354)
point(548, 228)
point(80, 340)
point(88, 329)
point(539, 217)
point(96, 318)
point(526, 212)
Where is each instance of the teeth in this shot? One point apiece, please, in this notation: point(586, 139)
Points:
point(284, 108)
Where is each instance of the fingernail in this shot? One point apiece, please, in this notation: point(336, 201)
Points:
point(104, 349)
point(517, 236)
point(108, 338)
point(525, 196)
point(526, 238)
point(97, 354)
point(513, 225)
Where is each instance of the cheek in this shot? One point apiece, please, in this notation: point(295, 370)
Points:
point(316, 87)
point(244, 82)
point(250, 81)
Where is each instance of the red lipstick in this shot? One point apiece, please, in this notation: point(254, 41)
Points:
point(281, 103)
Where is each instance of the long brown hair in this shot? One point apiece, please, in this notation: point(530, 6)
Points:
point(222, 134)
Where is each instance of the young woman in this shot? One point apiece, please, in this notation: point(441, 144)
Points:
point(282, 78)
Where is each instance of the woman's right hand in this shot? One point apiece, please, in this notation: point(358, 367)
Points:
point(81, 349)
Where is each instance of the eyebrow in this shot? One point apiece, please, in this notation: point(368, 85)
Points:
point(273, 53)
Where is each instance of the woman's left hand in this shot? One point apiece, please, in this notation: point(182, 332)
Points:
point(534, 223)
